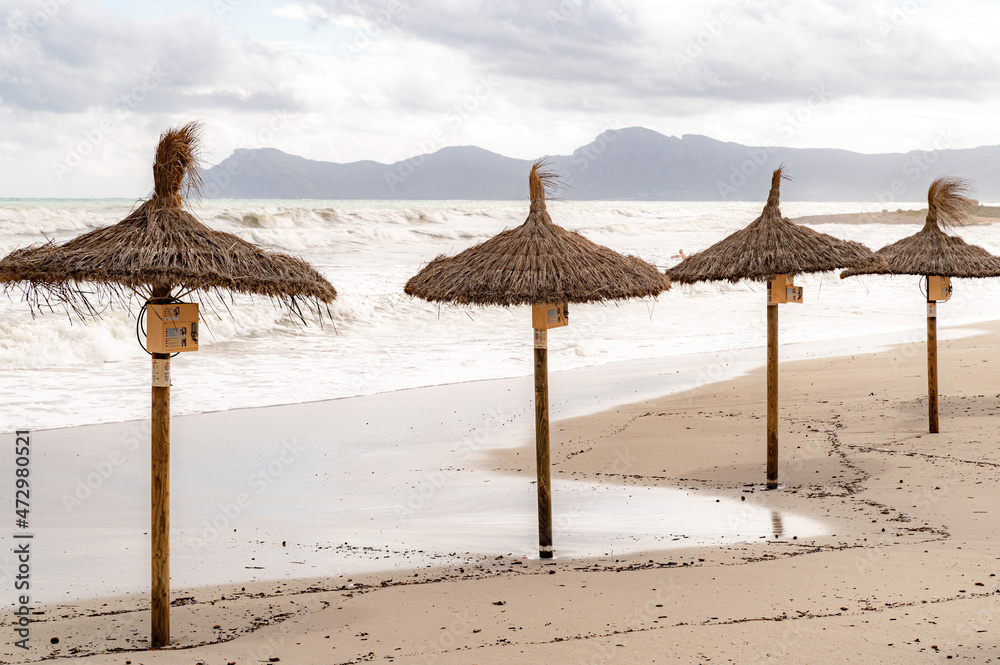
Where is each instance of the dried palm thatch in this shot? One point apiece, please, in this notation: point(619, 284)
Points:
point(535, 263)
point(771, 245)
point(161, 248)
point(931, 251)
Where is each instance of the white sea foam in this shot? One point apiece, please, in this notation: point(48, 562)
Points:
point(54, 372)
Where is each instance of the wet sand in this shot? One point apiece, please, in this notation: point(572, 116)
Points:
point(906, 572)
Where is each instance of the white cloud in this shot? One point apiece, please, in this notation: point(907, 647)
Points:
point(300, 11)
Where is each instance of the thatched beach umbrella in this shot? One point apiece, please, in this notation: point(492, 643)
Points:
point(771, 250)
point(546, 266)
point(159, 254)
point(937, 256)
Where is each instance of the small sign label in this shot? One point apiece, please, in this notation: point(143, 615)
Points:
point(780, 290)
point(171, 328)
point(549, 316)
point(932, 310)
point(161, 372)
point(541, 339)
point(177, 338)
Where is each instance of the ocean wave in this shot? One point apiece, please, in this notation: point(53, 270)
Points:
point(54, 339)
point(44, 222)
point(381, 339)
point(259, 220)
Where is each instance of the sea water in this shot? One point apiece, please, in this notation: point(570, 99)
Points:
point(56, 371)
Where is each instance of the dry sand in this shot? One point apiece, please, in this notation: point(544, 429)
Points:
point(909, 574)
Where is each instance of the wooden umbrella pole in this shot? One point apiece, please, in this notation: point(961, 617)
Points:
point(160, 508)
point(542, 444)
point(932, 373)
point(772, 396)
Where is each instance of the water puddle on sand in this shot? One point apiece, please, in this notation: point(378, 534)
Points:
point(384, 482)
point(470, 519)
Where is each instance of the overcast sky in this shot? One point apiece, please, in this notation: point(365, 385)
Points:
point(86, 86)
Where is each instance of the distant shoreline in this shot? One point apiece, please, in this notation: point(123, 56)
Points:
point(983, 215)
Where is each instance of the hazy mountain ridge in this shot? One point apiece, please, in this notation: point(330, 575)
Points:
point(626, 164)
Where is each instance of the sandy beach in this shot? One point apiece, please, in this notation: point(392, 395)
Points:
point(904, 569)
point(499, 333)
point(982, 215)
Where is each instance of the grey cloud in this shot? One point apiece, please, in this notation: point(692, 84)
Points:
point(741, 50)
point(85, 57)
point(574, 39)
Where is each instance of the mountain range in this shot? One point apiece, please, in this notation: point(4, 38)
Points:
point(634, 164)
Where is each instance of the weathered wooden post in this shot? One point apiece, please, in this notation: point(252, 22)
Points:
point(772, 394)
point(936, 257)
point(158, 250)
point(171, 327)
point(932, 366)
point(771, 249)
point(545, 266)
point(780, 290)
point(542, 466)
point(544, 317)
point(160, 488)
point(160, 509)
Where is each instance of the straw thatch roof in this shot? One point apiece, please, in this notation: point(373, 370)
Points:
point(535, 263)
point(771, 245)
point(162, 248)
point(931, 251)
